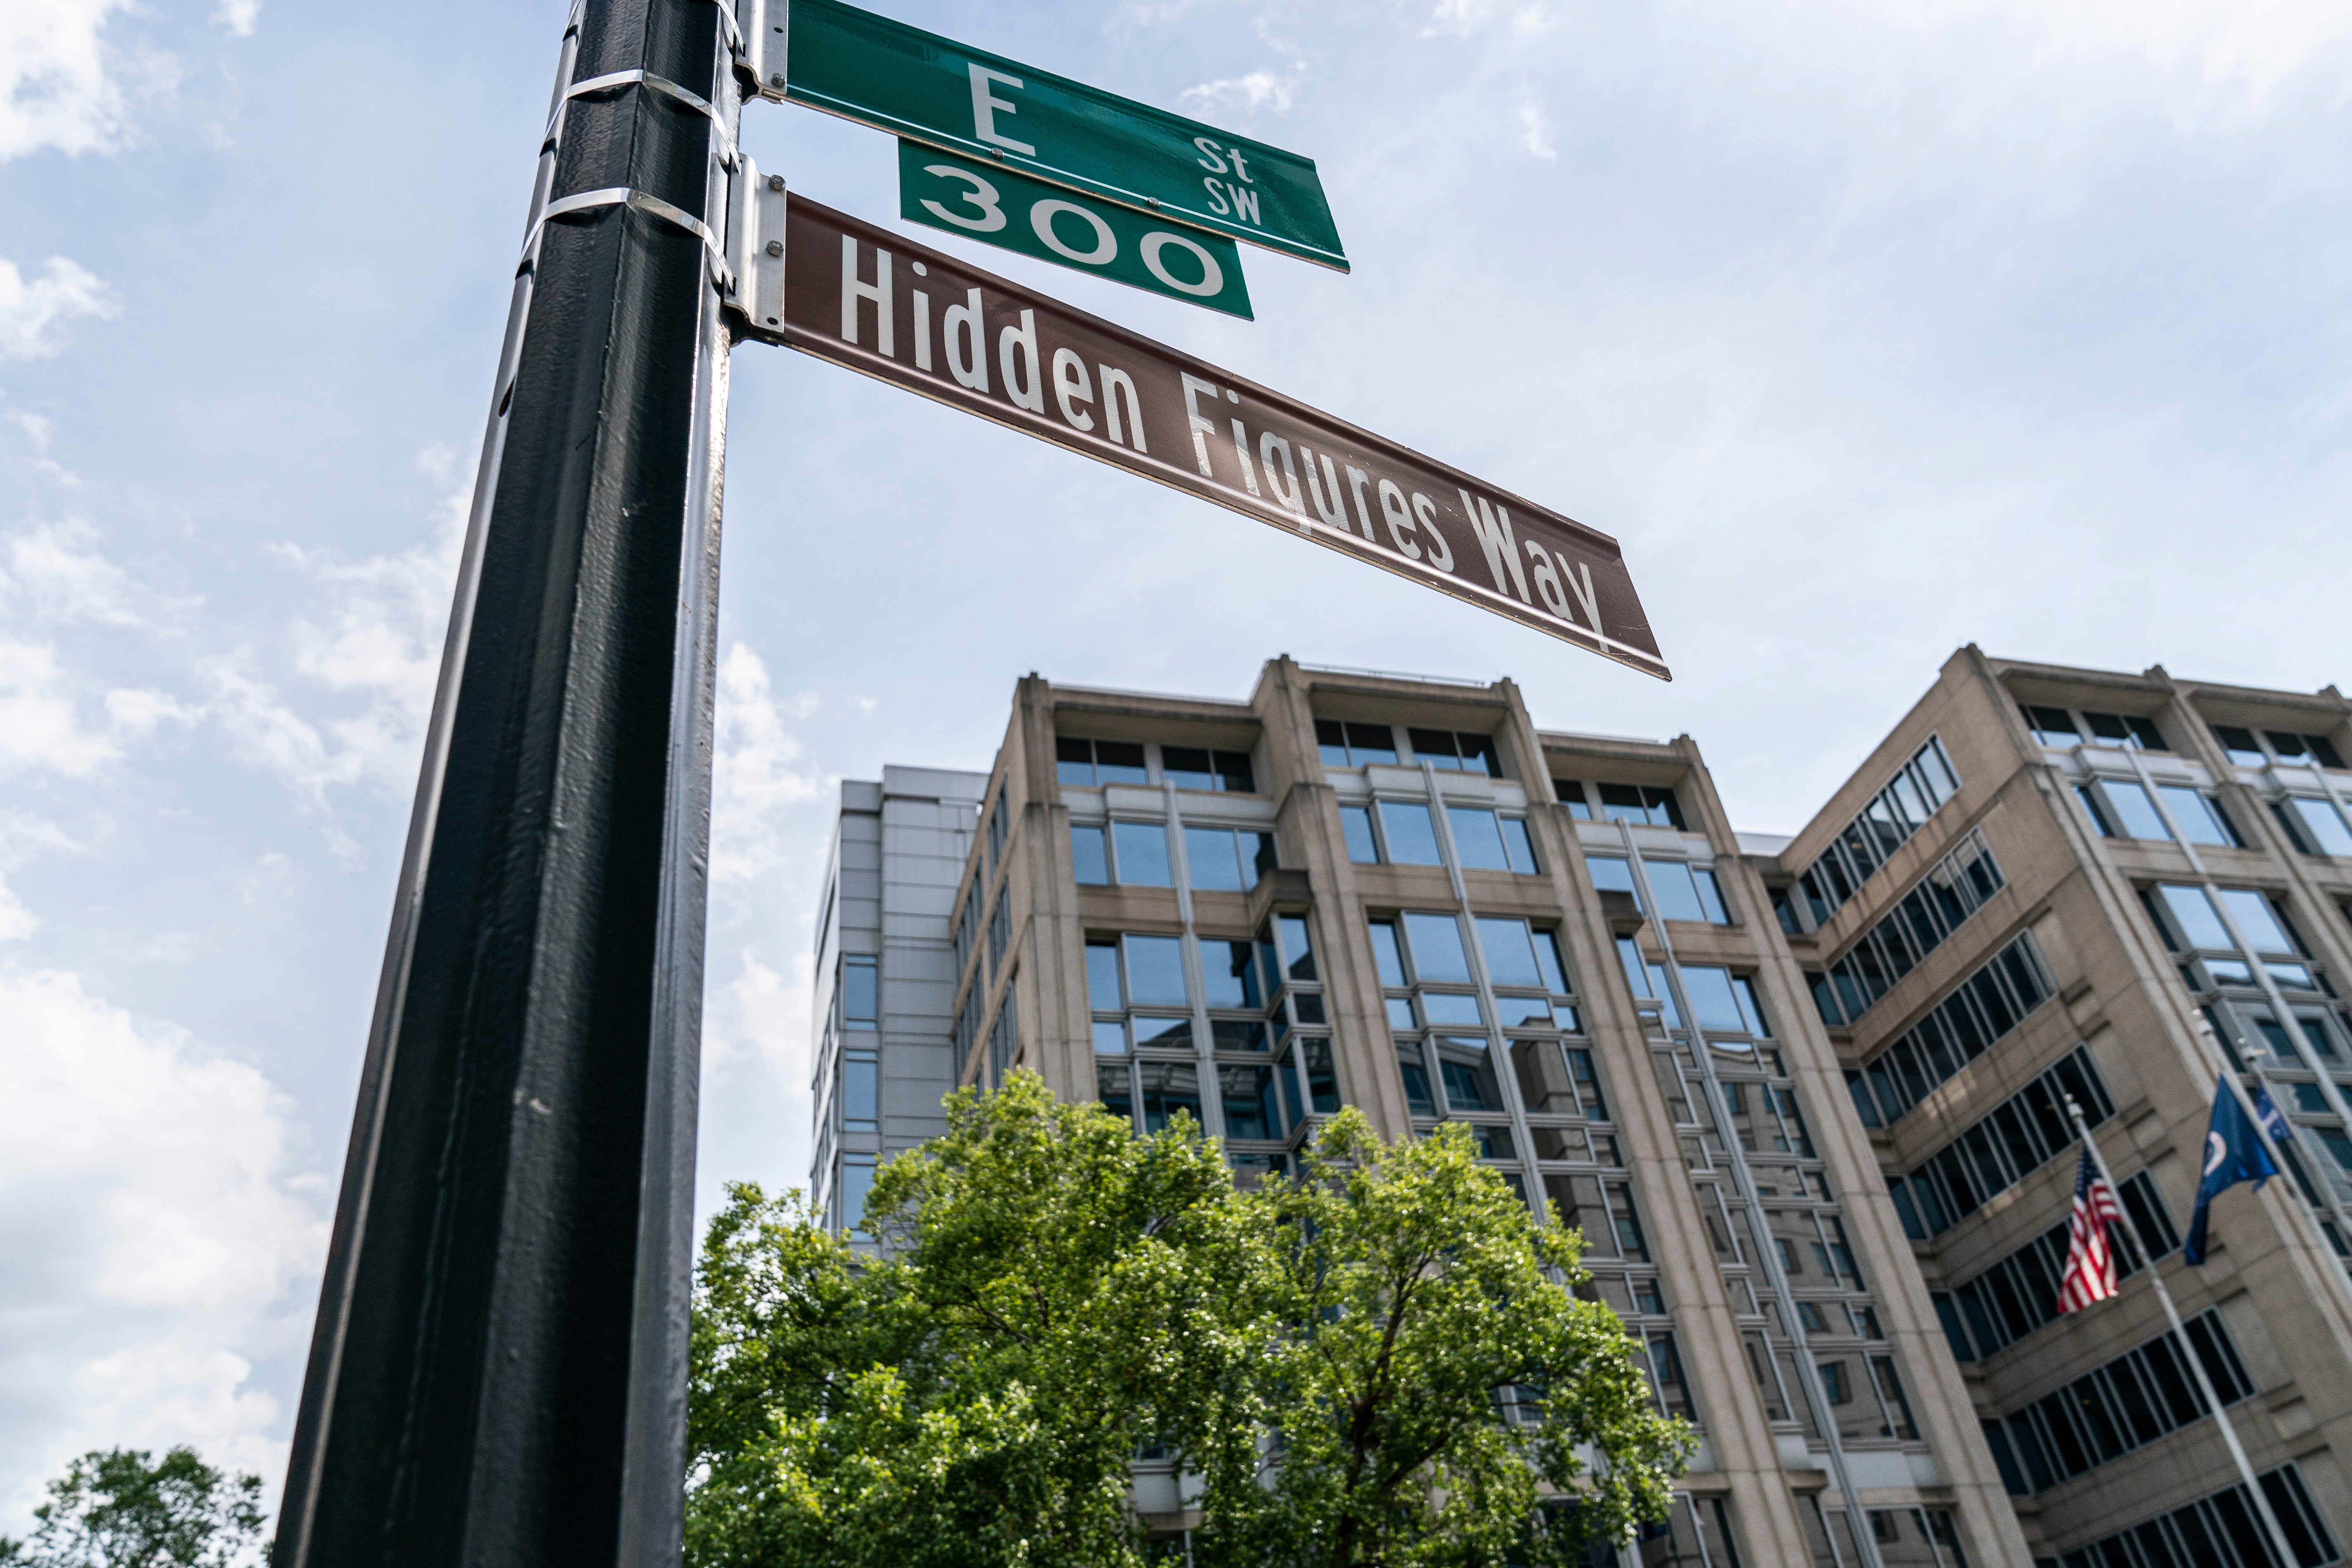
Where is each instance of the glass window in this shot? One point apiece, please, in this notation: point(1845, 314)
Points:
point(857, 1183)
point(1456, 751)
point(1089, 853)
point(1155, 971)
point(1518, 848)
point(861, 1092)
point(2125, 731)
point(1570, 794)
point(1416, 1079)
point(858, 991)
point(1435, 943)
point(1297, 946)
point(1221, 859)
point(1412, 837)
point(1518, 954)
point(1313, 1056)
point(2244, 749)
point(1469, 1075)
point(1641, 803)
point(1387, 953)
point(2319, 828)
point(2259, 920)
point(1115, 1087)
point(1229, 974)
point(1169, 1088)
point(1102, 977)
point(1477, 838)
point(1612, 874)
point(1192, 767)
point(1713, 998)
point(1077, 761)
point(2193, 917)
point(1356, 824)
point(2134, 813)
point(1110, 1037)
point(1351, 744)
point(1453, 1007)
point(1251, 1108)
point(1687, 892)
point(2051, 726)
point(2200, 816)
point(1142, 849)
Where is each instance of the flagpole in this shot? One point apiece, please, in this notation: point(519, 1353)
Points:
point(2189, 1349)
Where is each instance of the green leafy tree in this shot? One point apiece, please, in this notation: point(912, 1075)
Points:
point(1056, 1294)
point(117, 1509)
point(1428, 1378)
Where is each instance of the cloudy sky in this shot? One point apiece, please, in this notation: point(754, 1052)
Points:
point(1870, 330)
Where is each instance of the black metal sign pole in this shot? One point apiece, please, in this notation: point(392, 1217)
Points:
point(497, 1374)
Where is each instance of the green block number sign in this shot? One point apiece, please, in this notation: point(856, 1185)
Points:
point(928, 89)
point(990, 203)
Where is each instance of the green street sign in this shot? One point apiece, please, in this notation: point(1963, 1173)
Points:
point(928, 89)
point(990, 203)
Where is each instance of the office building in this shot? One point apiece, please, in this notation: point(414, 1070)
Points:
point(885, 978)
point(2051, 882)
point(1853, 1046)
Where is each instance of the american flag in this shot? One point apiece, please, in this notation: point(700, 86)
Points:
point(2090, 1273)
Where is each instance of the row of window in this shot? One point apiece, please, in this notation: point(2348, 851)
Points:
point(1954, 889)
point(1684, 892)
point(1402, 833)
point(2187, 919)
point(2001, 1149)
point(2003, 992)
point(2016, 1295)
point(1261, 1102)
point(2062, 728)
point(1645, 806)
point(1724, 1002)
point(2314, 826)
point(2277, 746)
point(1092, 763)
point(2145, 1393)
point(2120, 808)
point(2218, 1530)
point(1922, 785)
point(1135, 854)
point(2059, 727)
point(1351, 744)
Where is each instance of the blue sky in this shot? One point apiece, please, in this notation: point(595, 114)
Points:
point(1870, 331)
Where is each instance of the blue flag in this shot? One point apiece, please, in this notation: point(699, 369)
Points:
point(2233, 1153)
point(2273, 1118)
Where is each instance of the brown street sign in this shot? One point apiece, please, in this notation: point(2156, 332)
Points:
point(863, 297)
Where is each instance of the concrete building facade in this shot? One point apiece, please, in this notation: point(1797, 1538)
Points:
point(1805, 1097)
point(2137, 883)
point(886, 973)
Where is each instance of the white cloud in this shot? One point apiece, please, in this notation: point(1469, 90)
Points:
point(163, 1228)
point(35, 427)
point(40, 725)
point(377, 638)
point(1534, 132)
point(753, 778)
point(62, 576)
point(132, 710)
point(1260, 88)
point(56, 90)
point(239, 16)
point(65, 291)
point(20, 837)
